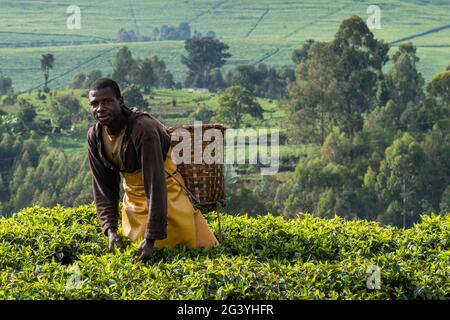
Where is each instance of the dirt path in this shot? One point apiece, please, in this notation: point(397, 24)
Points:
point(257, 22)
point(417, 35)
point(134, 17)
point(267, 56)
point(309, 24)
point(201, 14)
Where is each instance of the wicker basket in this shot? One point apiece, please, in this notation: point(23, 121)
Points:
point(205, 182)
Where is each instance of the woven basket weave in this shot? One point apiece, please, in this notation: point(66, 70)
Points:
point(204, 181)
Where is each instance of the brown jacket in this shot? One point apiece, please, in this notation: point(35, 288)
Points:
point(145, 145)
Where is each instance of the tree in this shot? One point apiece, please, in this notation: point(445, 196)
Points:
point(303, 191)
point(77, 81)
point(275, 84)
point(302, 53)
point(152, 72)
point(10, 148)
point(203, 114)
point(433, 110)
point(215, 80)
point(264, 191)
point(406, 83)
point(326, 204)
point(184, 31)
point(5, 85)
point(235, 103)
point(243, 200)
point(163, 77)
point(337, 82)
point(445, 201)
point(401, 182)
point(133, 97)
point(261, 80)
point(47, 61)
point(123, 65)
point(91, 76)
point(165, 32)
point(168, 33)
point(436, 145)
point(336, 148)
point(247, 76)
point(66, 110)
point(439, 88)
point(360, 58)
point(127, 36)
point(203, 55)
point(197, 34)
point(146, 74)
point(27, 112)
point(4, 195)
point(32, 148)
point(314, 96)
point(380, 127)
point(211, 34)
point(156, 33)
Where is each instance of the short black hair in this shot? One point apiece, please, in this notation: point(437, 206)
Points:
point(102, 83)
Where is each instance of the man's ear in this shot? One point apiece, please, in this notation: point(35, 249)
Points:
point(121, 100)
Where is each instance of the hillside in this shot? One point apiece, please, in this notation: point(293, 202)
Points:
point(256, 31)
point(60, 253)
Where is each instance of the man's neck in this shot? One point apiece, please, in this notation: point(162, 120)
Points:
point(117, 127)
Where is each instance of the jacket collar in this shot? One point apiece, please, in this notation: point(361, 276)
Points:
point(130, 115)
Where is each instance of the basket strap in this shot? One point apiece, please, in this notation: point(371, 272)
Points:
point(183, 186)
point(194, 199)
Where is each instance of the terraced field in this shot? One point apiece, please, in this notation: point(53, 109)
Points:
point(256, 31)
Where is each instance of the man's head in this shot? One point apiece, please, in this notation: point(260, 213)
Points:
point(105, 100)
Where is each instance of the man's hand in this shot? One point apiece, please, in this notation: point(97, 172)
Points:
point(145, 250)
point(114, 241)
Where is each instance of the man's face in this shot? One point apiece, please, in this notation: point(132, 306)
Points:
point(105, 106)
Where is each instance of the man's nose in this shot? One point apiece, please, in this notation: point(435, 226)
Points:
point(101, 106)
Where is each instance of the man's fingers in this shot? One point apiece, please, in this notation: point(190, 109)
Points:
point(143, 257)
point(115, 243)
point(120, 244)
point(111, 248)
point(139, 251)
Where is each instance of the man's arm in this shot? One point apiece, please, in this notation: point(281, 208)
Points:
point(149, 144)
point(106, 188)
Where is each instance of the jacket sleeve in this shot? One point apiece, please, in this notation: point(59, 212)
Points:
point(150, 150)
point(106, 187)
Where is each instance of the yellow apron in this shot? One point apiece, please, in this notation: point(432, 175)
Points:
point(185, 224)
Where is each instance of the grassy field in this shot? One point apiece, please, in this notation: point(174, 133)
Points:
point(256, 30)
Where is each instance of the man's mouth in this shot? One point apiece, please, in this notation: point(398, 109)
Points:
point(103, 117)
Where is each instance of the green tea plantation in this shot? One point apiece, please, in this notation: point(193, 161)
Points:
point(61, 253)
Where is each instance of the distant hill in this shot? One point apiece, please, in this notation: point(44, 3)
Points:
point(256, 30)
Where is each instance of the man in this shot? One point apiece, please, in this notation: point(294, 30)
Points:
point(132, 144)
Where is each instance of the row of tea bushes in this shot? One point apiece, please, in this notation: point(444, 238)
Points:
point(60, 253)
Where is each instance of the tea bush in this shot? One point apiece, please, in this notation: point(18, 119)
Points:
point(61, 253)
